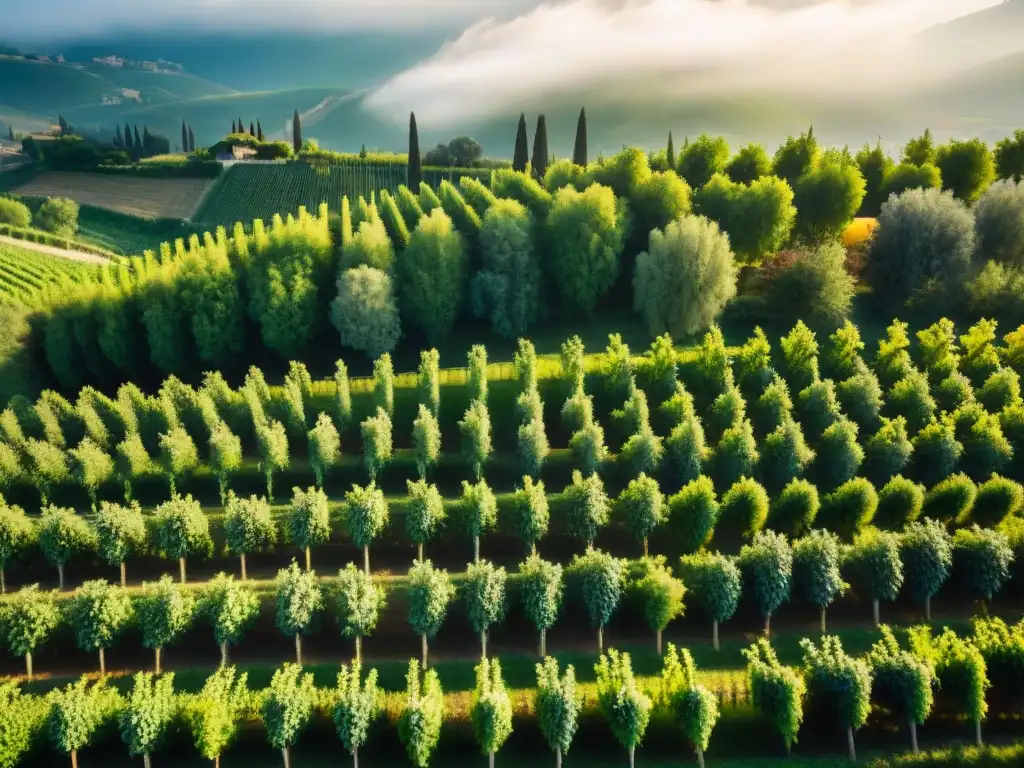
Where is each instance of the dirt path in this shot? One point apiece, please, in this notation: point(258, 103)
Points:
point(90, 258)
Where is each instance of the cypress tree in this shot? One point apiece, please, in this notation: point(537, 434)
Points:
point(118, 141)
point(147, 141)
point(259, 130)
point(521, 155)
point(579, 151)
point(234, 127)
point(191, 140)
point(184, 137)
point(138, 144)
point(63, 125)
point(252, 129)
point(241, 126)
point(128, 143)
point(297, 132)
point(415, 170)
point(540, 149)
point(10, 132)
point(670, 154)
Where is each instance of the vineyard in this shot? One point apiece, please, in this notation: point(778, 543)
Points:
point(24, 273)
point(246, 192)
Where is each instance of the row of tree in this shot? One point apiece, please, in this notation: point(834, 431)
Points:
point(237, 126)
point(839, 688)
point(146, 145)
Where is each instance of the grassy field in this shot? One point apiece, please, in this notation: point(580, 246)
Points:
point(24, 272)
point(146, 198)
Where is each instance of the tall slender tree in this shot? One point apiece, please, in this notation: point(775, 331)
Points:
point(540, 159)
point(118, 138)
point(234, 127)
point(415, 170)
point(252, 129)
point(296, 132)
point(139, 146)
point(191, 140)
point(670, 153)
point(259, 130)
point(184, 137)
point(579, 150)
point(128, 143)
point(521, 155)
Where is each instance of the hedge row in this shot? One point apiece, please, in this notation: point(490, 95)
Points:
point(200, 169)
point(45, 238)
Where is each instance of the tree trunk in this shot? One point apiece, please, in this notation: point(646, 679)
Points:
point(287, 758)
point(359, 649)
point(366, 560)
point(60, 575)
point(823, 630)
point(646, 550)
point(659, 642)
point(927, 609)
point(543, 643)
point(700, 757)
point(355, 758)
point(309, 561)
point(476, 549)
point(419, 551)
point(245, 574)
point(28, 666)
point(768, 625)
point(850, 745)
point(270, 486)
point(913, 737)
point(103, 662)
point(423, 641)
point(714, 634)
point(490, 760)
point(216, 762)
point(124, 575)
point(632, 757)
point(876, 612)
point(600, 639)
point(74, 758)
point(147, 762)
point(533, 548)
point(3, 582)
point(298, 649)
point(223, 490)
point(224, 653)
point(483, 644)
point(977, 731)
point(156, 657)
point(558, 757)
point(181, 568)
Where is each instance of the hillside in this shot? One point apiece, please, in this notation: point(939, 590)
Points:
point(985, 35)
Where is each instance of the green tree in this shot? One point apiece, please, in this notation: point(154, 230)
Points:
point(910, 398)
point(531, 512)
point(358, 603)
point(365, 312)
point(875, 166)
point(432, 275)
point(231, 608)
point(475, 428)
point(182, 530)
point(599, 579)
point(849, 508)
point(960, 672)
point(693, 513)
point(426, 437)
point(981, 560)
point(98, 612)
point(588, 506)
point(541, 587)
point(902, 682)
point(164, 611)
point(91, 466)
point(685, 278)
point(767, 567)
point(132, 461)
point(62, 535)
point(837, 684)
point(287, 707)
point(357, 704)
point(785, 455)
point(419, 726)
point(272, 441)
point(478, 512)
point(744, 509)
point(342, 396)
point(839, 454)
point(827, 198)
point(926, 550)
point(58, 215)
point(713, 581)
point(661, 595)
point(521, 155)
point(299, 599)
point(875, 567)
point(936, 452)
point(377, 442)
point(79, 710)
point(967, 168)
point(308, 521)
point(816, 576)
point(414, 177)
point(817, 282)
point(248, 527)
point(324, 447)
point(430, 593)
point(29, 619)
point(899, 502)
point(558, 706)
point(777, 691)
point(703, 158)
point(48, 465)
point(951, 500)
point(795, 509)
point(998, 498)
point(796, 156)
point(424, 513)
point(735, 456)
point(888, 451)
point(121, 533)
point(625, 707)
point(507, 289)
point(178, 455)
point(491, 709)
point(693, 707)
point(225, 455)
point(532, 446)
point(819, 407)
point(148, 713)
point(483, 592)
point(1009, 156)
point(749, 164)
point(476, 360)
point(365, 515)
point(539, 159)
point(642, 507)
point(212, 715)
point(588, 447)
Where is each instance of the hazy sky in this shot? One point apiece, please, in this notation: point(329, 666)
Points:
point(666, 47)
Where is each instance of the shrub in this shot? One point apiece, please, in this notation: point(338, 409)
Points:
point(951, 500)
point(794, 510)
point(911, 399)
point(999, 234)
point(749, 164)
point(588, 506)
point(953, 391)
point(693, 514)
point(757, 217)
point(685, 278)
point(686, 451)
point(997, 499)
point(365, 312)
point(369, 246)
point(1000, 390)
point(58, 215)
point(981, 560)
point(14, 213)
point(777, 691)
point(743, 510)
point(735, 456)
point(967, 168)
point(849, 508)
point(827, 198)
point(899, 502)
point(774, 408)
point(800, 356)
point(815, 285)
point(819, 407)
point(703, 158)
point(907, 176)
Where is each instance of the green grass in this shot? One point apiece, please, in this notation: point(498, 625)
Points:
point(24, 273)
point(127, 235)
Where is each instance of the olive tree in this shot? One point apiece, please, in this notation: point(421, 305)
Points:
point(426, 438)
point(693, 707)
point(365, 312)
point(424, 513)
point(816, 577)
point(148, 713)
point(182, 531)
point(248, 527)
point(558, 706)
point(287, 707)
point(491, 709)
point(875, 568)
point(926, 550)
point(767, 566)
point(365, 515)
point(540, 588)
point(98, 612)
point(299, 599)
point(599, 580)
point(164, 611)
point(308, 521)
point(838, 684)
point(419, 726)
point(231, 608)
point(477, 512)
point(28, 620)
point(777, 691)
point(62, 534)
point(902, 682)
point(625, 707)
point(358, 603)
point(357, 704)
point(324, 447)
point(16, 533)
point(430, 592)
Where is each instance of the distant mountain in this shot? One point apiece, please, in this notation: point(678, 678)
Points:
point(978, 37)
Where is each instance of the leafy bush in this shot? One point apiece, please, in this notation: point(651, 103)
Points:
point(14, 213)
point(899, 502)
point(814, 285)
point(365, 312)
point(997, 228)
point(58, 215)
point(849, 508)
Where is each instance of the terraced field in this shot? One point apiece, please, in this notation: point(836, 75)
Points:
point(23, 272)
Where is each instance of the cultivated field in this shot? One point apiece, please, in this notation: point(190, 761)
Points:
point(148, 198)
point(25, 272)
